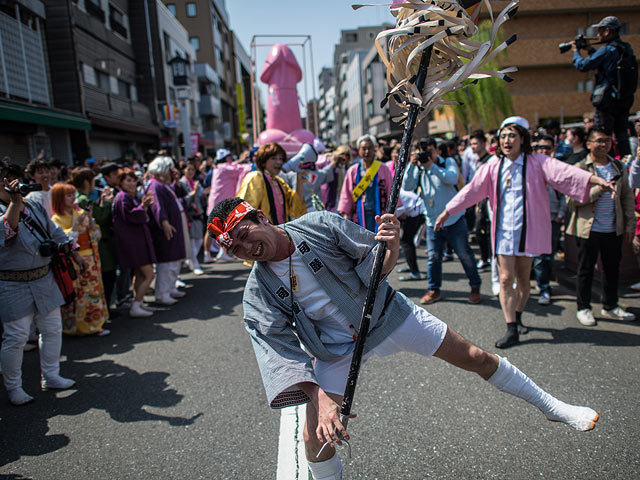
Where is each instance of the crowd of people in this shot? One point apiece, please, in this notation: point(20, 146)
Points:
point(130, 227)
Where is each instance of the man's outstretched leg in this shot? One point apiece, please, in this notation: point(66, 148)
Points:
point(458, 351)
point(328, 466)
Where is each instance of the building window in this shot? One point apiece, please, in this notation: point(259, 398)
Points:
point(89, 75)
point(368, 75)
point(370, 108)
point(191, 9)
point(172, 8)
point(117, 21)
point(219, 54)
point(94, 9)
point(195, 43)
point(103, 81)
point(351, 37)
point(124, 89)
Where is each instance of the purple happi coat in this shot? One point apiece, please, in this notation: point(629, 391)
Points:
point(165, 207)
point(133, 238)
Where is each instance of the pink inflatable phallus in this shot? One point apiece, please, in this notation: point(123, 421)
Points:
point(284, 125)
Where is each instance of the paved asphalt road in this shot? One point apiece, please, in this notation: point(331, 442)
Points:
point(179, 396)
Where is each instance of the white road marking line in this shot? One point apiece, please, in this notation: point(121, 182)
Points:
point(292, 462)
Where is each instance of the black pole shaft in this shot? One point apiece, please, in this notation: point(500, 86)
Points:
point(405, 148)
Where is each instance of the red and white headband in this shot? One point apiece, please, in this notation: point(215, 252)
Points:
point(221, 231)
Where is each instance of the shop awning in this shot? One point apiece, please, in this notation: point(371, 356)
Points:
point(43, 116)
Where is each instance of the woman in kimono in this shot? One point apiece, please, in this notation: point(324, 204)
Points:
point(88, 312)
point(265, 191)
point(133, 239)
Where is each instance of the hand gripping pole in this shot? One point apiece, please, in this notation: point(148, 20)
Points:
point(363, 331)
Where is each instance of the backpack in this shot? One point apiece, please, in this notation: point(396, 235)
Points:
point(625, 73)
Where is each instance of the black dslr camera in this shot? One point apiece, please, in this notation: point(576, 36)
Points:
point(26, 188)
point(49, 248)
point(581, 43)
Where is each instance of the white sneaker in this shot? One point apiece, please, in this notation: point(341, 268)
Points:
point(180, 284)
point(177, 294)
point(495, 288)
point(137, 311)
point(166, 301)
point(18, 396)
point(545, 298)
point(618, 313)
point(585, 317)
point(635, 286)
point(56, 383)
point(198, 271)
point(149, 308)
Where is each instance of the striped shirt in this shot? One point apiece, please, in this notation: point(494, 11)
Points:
point(604, 216)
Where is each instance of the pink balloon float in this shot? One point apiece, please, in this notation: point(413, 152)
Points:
point(284, 125)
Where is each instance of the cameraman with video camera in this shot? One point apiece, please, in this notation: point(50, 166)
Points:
point(616, 78)
point(28, 290)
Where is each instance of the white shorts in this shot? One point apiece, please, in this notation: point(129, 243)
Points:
point(420, 333)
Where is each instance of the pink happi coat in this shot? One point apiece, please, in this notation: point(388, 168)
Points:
point(541, 171)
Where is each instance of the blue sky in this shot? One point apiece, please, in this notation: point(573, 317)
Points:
point(322, 19)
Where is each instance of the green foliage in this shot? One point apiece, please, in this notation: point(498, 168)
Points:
point(488, 102)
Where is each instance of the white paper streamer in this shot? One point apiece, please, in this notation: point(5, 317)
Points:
point(448, 27)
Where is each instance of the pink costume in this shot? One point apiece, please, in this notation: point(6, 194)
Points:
point(284, 125)
point(540, 172)
point(225, 182)
point(346, 205)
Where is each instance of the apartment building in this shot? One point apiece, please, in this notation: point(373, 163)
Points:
point(327, 105)
point(207, 22)
point(360, 39)
point(29, 120)
point(94, 72)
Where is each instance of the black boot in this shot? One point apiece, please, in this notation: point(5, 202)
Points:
point(510, 338)
point(522, 329)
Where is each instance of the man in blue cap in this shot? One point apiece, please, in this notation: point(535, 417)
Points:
point(613, 92)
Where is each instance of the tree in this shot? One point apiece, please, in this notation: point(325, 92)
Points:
point(487, 102)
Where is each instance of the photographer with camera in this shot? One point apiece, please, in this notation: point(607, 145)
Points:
point(28, 290)
point(438, 180)
point(616, 78)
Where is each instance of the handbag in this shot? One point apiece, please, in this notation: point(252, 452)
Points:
point(61, 264)
point(601, 96)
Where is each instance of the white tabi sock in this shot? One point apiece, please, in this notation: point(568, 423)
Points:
point(510, 379)
point(327, 470)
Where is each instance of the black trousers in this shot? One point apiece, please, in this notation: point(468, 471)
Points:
point(483, 230)
point(410, 226)
point(614, 118)
point(108, 281)
point(609, 246)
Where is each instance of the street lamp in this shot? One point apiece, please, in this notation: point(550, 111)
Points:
point(180, 72)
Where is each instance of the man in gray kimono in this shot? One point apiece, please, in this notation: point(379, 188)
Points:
point(302, 306)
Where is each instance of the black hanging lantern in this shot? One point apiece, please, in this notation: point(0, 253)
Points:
point(179, 70)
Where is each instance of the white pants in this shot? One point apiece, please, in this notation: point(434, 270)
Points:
point(196, 243)
point(15, 336)
point(421, 333)
point(166, 276)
